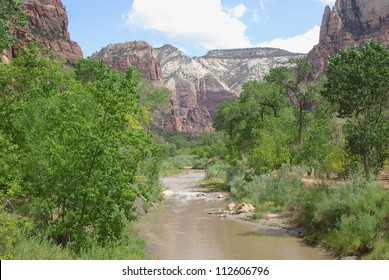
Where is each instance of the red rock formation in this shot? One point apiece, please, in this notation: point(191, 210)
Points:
point(199, 84)
point(349, 24)
point(48, 23)
point(138, 54)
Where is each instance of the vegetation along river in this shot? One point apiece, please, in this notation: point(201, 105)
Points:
point(181, 229)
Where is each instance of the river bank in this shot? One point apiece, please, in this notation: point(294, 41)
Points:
point(275, 222)
point(182, 228)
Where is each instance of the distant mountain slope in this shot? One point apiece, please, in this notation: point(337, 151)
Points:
point(198, 84)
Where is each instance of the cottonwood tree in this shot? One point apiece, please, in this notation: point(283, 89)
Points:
point(358, 83)
point(80, 142)
point(294, 82)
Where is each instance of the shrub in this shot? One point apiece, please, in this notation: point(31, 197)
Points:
point(173, 165)
point(350, 218)
point(278, 191)
point(200, 163)
point(218, 170)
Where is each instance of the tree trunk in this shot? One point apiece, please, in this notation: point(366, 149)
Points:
point(300, 123)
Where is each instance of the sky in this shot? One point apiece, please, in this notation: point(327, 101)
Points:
point(197, 26)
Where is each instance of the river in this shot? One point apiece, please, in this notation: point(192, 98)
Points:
point(181, 229)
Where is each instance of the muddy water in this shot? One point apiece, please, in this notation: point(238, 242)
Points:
point(181, 229)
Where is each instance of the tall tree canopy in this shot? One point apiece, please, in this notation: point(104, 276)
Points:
point(358, 83)
point(75, 144)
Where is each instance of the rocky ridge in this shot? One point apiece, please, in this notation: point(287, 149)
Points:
point(137, 53)
point(198, 84)
point(349, 24)
point(48, 23)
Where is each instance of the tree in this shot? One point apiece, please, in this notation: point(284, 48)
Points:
point(358, 84)
point(80, 145)
point(10, 15)
point(258, 126)
point(294, 82)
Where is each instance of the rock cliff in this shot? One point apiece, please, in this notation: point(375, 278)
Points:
point(349, 24)
point(198, 84)
point(138, 53)
point(48, 22)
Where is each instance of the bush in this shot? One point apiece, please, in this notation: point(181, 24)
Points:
point(218, 170)
point(269, 192)
point(349, 218)
point(200, 163)
point(10, 233)
point(380, 250)
point(130, 247)
point(174, 165)
point(353, 235)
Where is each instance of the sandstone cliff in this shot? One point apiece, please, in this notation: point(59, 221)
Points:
point(138, 53)
point(349, 24)
point(204, 82)
point(48, 23)
point(198, 84)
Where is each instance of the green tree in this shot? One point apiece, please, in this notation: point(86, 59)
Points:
point(79, 143)
point(294, 82)
point(10, 15)
point(258, 126)
point(358, 85)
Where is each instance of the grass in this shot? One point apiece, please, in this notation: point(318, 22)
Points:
point(131, 247)
point(213, 184)
point(175, 165)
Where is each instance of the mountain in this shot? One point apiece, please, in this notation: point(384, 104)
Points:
point(138, 54)
point(349, 24)
point(198, 84)
point(48, 23)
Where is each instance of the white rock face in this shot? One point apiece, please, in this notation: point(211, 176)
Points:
point(198, 84)
point(204, 82)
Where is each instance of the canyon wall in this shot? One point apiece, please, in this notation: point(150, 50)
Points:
point(349, 24)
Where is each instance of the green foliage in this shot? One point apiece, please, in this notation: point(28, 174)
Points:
point(349, 218)
point(10, 233)
point(357, 84)
point(176, 164)
point(276, 192)
point(261, 125)
point(380, 250)
point(293, 82)
point(33, 248)
point(9, 169)
point(10, 14)
point(336, 161)
point(218, 169)
point(73, 140)
point(211, 145)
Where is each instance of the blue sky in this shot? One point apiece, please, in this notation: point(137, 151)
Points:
point(196, 26)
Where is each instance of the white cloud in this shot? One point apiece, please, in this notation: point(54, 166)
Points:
point(200, 22)
point(238, 11)
point(327, 2)
point(300, 43)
